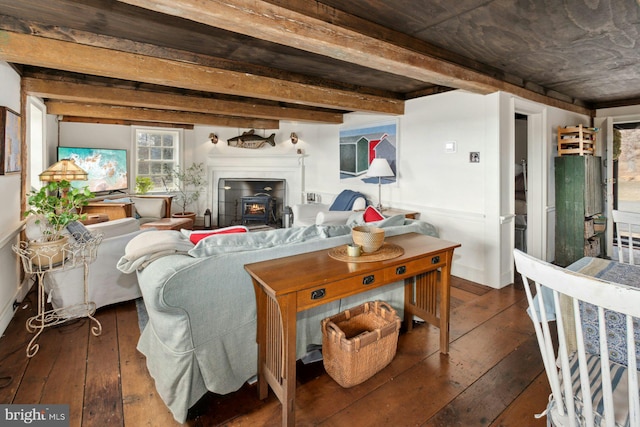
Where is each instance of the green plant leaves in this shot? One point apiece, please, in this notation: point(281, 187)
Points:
point(59, 204)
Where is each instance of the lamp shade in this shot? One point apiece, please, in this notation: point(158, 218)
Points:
point(64, 170)
point(379, 167)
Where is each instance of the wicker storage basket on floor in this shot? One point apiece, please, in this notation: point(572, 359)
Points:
point(359, 342)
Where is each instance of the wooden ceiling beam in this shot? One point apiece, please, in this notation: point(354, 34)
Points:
point(120, 122)
point(98, 94)
point(266, 21)
point(43, 52)
point(152, 115)
point(270, 22)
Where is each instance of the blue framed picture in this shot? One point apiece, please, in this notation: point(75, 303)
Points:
point(360, 145)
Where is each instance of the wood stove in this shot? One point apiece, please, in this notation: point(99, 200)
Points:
point(258, 208)
point(232, 191)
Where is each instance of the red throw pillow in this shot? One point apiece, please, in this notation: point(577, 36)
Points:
point(371, 214)
point(196, 236)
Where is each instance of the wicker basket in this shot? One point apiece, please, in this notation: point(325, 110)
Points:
point(369, 237)
point(359, 342)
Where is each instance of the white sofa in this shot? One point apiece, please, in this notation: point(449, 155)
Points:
point(319, 213)
point(107, 285)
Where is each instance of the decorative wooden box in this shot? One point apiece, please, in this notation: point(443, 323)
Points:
point(577, 140)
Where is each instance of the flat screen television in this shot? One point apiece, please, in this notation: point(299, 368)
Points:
point(107, 168)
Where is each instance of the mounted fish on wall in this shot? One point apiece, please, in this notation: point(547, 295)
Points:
point(249, 139)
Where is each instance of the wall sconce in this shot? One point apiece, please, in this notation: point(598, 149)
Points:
point(294, 138)
point(214, 138)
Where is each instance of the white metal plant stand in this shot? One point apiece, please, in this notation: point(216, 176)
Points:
point(79, 251)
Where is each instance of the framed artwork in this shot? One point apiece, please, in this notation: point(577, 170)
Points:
point(360, 145)
point(10, 147)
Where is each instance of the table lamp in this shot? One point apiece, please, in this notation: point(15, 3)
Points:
point(64, 170)
point(379, 168)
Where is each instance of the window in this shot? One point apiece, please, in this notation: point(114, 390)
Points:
point(157, 150)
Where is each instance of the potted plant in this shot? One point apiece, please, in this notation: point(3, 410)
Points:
point(143, 184)
point(55, 205)
point(186, 184)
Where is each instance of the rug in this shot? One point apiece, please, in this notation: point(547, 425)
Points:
point(143, 317)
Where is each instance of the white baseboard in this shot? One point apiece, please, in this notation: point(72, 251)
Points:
point(7, 312)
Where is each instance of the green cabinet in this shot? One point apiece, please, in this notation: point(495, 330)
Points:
point(578, 199)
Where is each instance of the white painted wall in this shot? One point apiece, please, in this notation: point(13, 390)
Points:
point(10, 220)
point(458, 197)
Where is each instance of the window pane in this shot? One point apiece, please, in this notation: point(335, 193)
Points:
point(156, 153)
point(156, 168)
point(167, 140)
point(157, 182)
point(143, 153)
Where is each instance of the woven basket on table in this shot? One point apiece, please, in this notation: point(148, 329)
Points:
point(368, 236)
point(359, 342)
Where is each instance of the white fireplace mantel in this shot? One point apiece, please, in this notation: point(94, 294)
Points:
point(289, 167)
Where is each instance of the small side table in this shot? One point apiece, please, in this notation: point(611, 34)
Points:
point(80, 252)
point(407, 214)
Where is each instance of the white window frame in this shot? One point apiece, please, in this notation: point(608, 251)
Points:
point(178, 150)
point(37, 140)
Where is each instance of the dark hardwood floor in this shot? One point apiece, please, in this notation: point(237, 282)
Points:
point(493, 375)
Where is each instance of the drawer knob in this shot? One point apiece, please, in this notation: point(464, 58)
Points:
point(318, 293)
point(435, 259)
point(401, 270)
point(367, 280)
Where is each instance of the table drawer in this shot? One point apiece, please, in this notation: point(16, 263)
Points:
point(412, 268)
point(340, 289)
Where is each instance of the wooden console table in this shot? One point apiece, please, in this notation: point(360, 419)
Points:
point(285, 286)
point(112, 210)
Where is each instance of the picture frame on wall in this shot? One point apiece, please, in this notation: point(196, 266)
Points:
point(361, 144)
point(10, 155)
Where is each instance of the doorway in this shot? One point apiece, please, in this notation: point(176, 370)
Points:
point(521, 184)
point(532, 120)
point(626, 166)
point(625, 171)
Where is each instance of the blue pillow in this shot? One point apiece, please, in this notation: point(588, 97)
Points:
point(79, 232)
point(121, 200)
